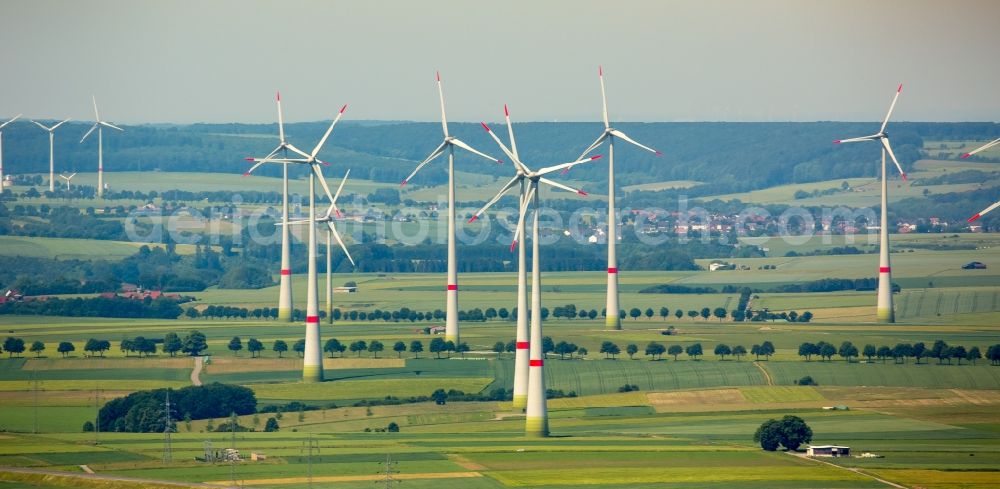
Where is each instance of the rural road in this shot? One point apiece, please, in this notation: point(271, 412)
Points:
point(856, 471)
point(199, 362)
point(767, 376)
point(134, 482)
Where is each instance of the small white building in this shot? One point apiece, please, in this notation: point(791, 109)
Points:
point(828, 451)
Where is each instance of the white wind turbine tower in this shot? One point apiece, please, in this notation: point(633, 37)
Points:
point(331, 235)
point(970, 153)
point(610, 134)
point(16, 117)
point(533, 391)
point(312, 365)
point(285, 281)
point(68, 179)
point(884, 311)
point(99, 125)
point(52, 158)
point(449, 144)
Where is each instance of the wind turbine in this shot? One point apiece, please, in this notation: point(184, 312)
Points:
point(331, 235)
point(285, 282)
point(99, 125)
point(610, 134)
point(52, 158)
point(16, 117)
point(970, 153)
point(67, 178)
point(884, 311)
point(312, 365)
point(529, 383)
point(449, 144)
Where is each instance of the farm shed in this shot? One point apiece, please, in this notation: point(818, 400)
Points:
point(828, 451)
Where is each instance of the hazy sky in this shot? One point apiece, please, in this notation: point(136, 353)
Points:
point(217, 61)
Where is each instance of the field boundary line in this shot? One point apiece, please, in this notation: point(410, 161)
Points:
point(856, 471)
point(355, 478)
point(767, 376)
point(72, 479)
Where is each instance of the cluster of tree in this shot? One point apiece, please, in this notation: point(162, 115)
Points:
point(830, 285)
point(117, 307)
point(836, 250)
point(677, 289)
point(790, 432)
point(144, 411)
point(940, 350)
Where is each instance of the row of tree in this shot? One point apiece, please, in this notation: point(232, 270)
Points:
point(939, 350)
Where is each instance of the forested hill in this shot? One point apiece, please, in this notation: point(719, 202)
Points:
point(734, 156)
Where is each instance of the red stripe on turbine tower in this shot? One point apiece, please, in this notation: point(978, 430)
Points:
point(522, 345)
point(612, 270)
point(286, 272)
point(452, 287)
point(312, 319)
point(883, 269)
point(536, 363)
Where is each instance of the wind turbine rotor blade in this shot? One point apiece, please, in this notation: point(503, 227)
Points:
point(293, 223)
point(339, 189)
point(503, 147)
point(618, 134)
point(444, 118)
point(597, 142)
point(520, 218)
point(982, 148)
point(565, 166)
point(856, 140)
point(984, 211)
point(561, 186)
point(88, 132)
point(112, 126)
point(460, 144)
point(296, 150)
point(59, 124)
point(16, 117)
point(71, 176)
point(885, 144)
point(434, 154)
point(281, 120)
point(340, 241)
point(41, 126)
point(254, 167)
point(510, 133)
point(322, 182)
point(319, 146)
point(508, 186)
point(891, 107)
point(604, 98)
point(97, 115)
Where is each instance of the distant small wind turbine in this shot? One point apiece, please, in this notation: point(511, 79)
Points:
point(884, 311)
point(16, 117)
point(312, 363)
point(536, 414)
point(450, 142)
point(99, 125)
point(52, 160)
point(611, 320)
point(331, 235)
point(67, 178)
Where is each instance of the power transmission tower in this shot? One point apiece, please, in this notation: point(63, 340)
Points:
point(309, 446)
point(387, 472)
point(209, 454)
point(167, 429)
